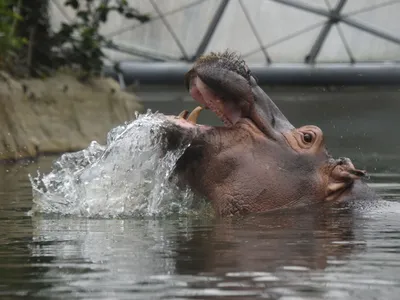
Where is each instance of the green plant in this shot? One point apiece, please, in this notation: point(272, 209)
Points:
point(80, 41)
point(10, 42)
point(35, 58)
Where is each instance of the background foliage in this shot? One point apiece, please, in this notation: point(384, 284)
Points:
point(10, 41)
point(29, 48)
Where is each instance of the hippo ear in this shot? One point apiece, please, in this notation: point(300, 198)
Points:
point(342, 177)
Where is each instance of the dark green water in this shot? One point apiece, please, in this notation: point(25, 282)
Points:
point(323, 254)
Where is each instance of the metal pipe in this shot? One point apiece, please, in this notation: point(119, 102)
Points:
point(274, 74)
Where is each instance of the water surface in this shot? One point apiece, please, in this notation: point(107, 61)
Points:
point(322, 253)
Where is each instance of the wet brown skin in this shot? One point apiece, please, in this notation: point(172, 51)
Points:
point(258, 162)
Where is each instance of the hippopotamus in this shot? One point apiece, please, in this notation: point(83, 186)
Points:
point(258, 161)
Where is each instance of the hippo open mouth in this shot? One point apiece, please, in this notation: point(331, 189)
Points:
point(223, 83)
point(220, 82)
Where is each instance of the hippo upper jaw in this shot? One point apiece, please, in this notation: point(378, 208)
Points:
point(223, 83)
point(232, 106)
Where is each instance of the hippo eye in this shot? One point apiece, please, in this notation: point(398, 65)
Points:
point(307, 137)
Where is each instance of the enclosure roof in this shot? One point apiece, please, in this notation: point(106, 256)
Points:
point(263, 31)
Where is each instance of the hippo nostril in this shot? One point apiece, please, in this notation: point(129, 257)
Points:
point(343, 161)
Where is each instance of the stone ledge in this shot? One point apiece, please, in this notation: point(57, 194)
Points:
point(59, 114)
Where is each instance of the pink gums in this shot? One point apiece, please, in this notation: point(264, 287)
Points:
point(188, 125)
point(201, 93)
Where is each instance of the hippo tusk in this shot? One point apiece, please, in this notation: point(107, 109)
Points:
point(194, 115)
point(182, 115)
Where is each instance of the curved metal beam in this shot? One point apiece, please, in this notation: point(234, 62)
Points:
point(171, 30)
point(319, 42)
point(210, 30)
point(339, 18)
point(255, 32)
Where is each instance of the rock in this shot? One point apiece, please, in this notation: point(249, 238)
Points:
point(59, 114)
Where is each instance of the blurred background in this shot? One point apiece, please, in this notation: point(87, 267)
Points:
point(331, 63)
point(72, 70)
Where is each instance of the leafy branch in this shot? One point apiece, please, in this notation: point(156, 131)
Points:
point(81, 41)
point(28, 47)
point(10, 43)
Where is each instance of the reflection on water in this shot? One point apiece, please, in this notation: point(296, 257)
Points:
point(324, 253)
point(173, 257)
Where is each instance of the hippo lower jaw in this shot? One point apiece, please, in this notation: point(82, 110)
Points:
point(334, 177)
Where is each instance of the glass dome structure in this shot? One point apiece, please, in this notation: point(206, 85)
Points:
point(264, 32)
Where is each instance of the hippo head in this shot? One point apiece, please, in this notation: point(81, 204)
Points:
point(258, 161)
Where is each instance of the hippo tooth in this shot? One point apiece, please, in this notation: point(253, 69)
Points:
point(194, 115)
point(183, 114)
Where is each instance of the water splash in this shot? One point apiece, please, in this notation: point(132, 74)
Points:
point(128, 176)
